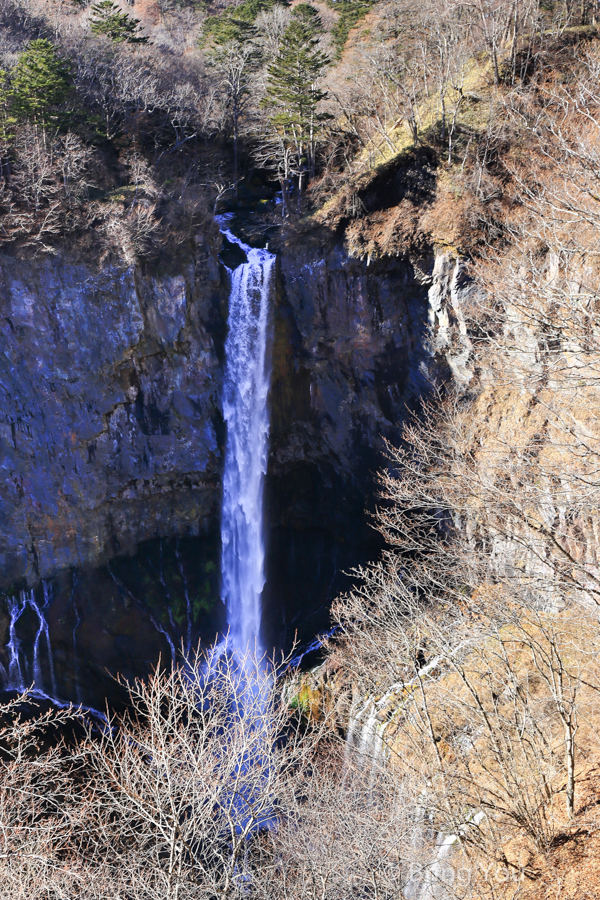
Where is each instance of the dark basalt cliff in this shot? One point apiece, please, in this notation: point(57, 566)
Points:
point(112, 444)
point(349, 357)
point(110, 391)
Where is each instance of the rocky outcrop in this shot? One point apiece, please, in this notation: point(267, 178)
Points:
point(111, 445)
point(448, 340)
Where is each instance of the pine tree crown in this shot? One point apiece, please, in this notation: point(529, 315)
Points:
point(108, 20)
point(40, 81)
point(236, 23)
point(294, 75)
point(300, 61)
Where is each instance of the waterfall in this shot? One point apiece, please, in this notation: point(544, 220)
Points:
point(25, 655)
point(19, 672)
point(245, 410)
point(188, 602)
point(369, 745)
point(42, 629)
point(73, 602)
point(16, 607)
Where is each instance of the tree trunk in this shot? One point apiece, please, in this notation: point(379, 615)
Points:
point(235, 144)
point(569, 732)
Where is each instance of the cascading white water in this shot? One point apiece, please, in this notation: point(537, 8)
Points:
point(16, 606)
point(42, 629)
point(188, 602)
point(19, 672)
point(245, 409)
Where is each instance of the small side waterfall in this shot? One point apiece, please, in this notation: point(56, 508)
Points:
point(29, 650)
point(42, 629)
point(369, 744)
point(246, 387)
point(16, 607)
point(22, 672)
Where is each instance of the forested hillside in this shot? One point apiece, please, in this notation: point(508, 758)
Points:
point(447, 745)
point(134, 125)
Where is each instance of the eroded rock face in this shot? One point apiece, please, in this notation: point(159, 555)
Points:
point(112, 440)
point(109, 442)
point(109, 403)
point(353, 353)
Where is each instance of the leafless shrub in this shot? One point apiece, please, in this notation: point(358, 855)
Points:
point(44, 185)
point(37, 821)
point(206, 757)
point(351, 830)
point(133, 231)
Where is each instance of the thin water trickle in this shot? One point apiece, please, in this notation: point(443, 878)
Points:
point(16, 607)
point(75, 649)
point(43, 629)
point(20, 670)
point(245, 410)
point(188, 603)
point(124, 589)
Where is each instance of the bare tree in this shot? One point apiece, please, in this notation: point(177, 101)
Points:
point(234, 63)
point(44, 195)
point(185, 781)
point(350, 832)
point(477, 634)
point(37, 819)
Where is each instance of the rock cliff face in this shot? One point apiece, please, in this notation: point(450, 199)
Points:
point(350, 355)
point(112, 443)
point(109, 441)
point(109, 402)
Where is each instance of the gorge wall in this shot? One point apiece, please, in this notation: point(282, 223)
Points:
point(112, 444)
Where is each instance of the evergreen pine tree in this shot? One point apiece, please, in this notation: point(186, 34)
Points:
point(350, 12)
point(40, 82)
point(5, 106)
point(236, 23)
point(6, 121)
point(294, 74)
point(293, 88)
point(109, 21)
point(229, 29)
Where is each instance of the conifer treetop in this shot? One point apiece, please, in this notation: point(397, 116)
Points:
point(40, 80)
point(108, 20)
point(294, 74)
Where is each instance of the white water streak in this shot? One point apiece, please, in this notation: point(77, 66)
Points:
point(18, 675)
point(245, 410)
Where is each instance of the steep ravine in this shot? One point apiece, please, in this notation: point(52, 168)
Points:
point(112, 443)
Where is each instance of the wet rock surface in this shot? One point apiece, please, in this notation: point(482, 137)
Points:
point(109, 401)
point(118, 618)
